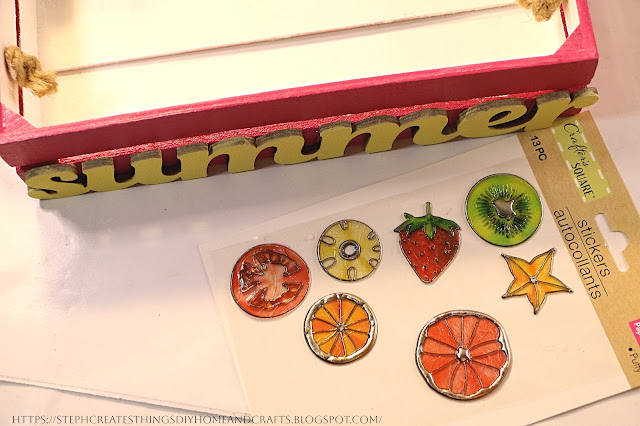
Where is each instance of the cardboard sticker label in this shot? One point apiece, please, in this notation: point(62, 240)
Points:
point(592, 187)
point(583, 166)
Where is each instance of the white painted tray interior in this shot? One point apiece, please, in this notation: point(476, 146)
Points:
point(125, 55)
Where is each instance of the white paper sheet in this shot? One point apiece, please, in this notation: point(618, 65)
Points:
point(106, 297)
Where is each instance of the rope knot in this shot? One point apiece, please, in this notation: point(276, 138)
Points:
point(27, 71)
point(542, 10)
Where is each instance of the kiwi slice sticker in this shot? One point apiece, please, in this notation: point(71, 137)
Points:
point(504, 209)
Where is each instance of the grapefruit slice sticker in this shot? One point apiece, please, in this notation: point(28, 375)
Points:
point(269, 280)
point(340, 328)
point(463, 354)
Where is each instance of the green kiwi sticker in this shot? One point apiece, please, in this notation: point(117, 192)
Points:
point(504, 209)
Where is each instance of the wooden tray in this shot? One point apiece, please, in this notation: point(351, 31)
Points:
point(122, 68)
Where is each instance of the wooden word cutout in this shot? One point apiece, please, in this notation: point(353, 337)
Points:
point(429, 126)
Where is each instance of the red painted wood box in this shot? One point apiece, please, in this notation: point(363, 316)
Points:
point(365, 73)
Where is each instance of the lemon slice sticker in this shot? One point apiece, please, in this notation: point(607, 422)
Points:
point(349, 250)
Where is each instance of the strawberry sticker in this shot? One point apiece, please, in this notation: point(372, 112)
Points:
point(429, 243)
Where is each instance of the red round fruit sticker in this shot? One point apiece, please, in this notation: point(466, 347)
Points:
point(269, 280)
point(463, 354)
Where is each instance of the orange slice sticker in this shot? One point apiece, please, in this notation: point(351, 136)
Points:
point(269, 280)
point(340, 328)
point(463, 354)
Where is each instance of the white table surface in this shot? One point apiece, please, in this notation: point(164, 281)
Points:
point(617, 115)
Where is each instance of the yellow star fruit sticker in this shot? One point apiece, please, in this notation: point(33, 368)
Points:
point(533, 279)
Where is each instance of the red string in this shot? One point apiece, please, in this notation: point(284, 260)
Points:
point(19, 44)
point(564, 22)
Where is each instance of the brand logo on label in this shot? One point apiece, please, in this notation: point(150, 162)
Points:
point(635, 328)
point(578, 154)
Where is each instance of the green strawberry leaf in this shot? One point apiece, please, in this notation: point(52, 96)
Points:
point(429, 229)
point(446, 225)
point(428, 223)
point(413, 227)
point(403, 225)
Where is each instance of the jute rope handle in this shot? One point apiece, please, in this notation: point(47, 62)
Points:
point(542, 10)
point(27, 71)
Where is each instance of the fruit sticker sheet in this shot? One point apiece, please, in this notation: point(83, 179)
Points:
point(558, 359)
